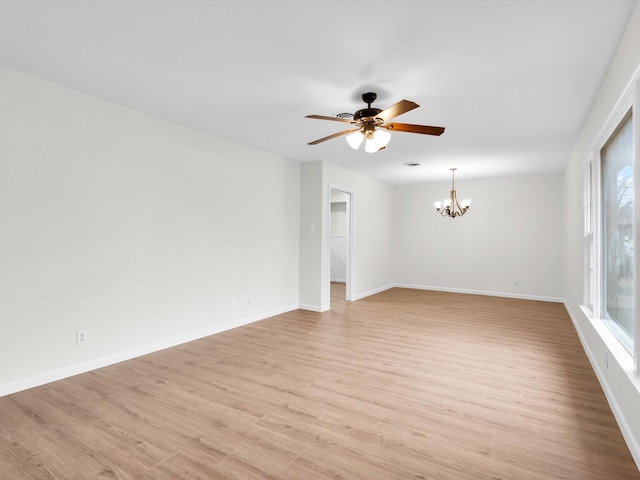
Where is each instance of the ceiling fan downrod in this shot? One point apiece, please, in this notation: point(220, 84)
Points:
point(367, 114)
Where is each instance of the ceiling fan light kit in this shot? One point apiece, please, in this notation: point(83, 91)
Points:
point(376, 140)
point(371, 125)
point(450, 207)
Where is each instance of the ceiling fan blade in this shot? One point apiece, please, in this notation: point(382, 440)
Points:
point(403, 106)
point(335, 119)
point(324, 139)
point(407, 127)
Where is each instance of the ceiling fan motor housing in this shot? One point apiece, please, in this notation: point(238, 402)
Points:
point(366, 114)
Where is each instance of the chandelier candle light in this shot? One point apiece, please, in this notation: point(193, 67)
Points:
point(450, 206)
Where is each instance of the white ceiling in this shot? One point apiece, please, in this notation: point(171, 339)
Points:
point(511, 81)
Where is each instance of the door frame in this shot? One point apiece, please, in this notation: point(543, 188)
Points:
point(349, 243)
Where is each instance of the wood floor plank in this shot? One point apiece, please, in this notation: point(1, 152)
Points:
point(402, 384)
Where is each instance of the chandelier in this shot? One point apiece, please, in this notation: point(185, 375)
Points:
point(450, 207)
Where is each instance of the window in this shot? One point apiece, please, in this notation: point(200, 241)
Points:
point(589, 247)
point(617, 233)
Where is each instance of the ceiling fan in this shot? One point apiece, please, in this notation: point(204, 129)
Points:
point(371, 124)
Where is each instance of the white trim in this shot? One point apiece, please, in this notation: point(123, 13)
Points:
point(539, 298)
point(624, 103)
point(636, 218)
point(590, 245)
point(312, 308)
point(351, 268)
point(613, 346)
point(360, 296)
point(89, 365)
point(350, 244)
point(481, 292)
point(627, 102)
point(611, 342)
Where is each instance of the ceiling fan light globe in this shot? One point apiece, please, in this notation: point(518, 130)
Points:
point(355, 139)
point(382, 137)
point(447, 202)
point(438, 205)
point(379, 139)
point(371, 146)
point(466, 203)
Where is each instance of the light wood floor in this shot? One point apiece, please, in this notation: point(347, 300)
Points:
point(401, 385)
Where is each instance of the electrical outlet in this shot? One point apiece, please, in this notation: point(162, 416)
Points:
point(248, 300)
point(433, 276)
point(81, 337)
point(232, 305)
point(516, 283)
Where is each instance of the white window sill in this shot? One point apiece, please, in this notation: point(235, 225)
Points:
point(620, 354)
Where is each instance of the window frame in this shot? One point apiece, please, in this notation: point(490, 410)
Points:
point(593, 229)
point(614, 326)
point(590, 270)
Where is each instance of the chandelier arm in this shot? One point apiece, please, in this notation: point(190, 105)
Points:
point(454, 205)
point(460, 211)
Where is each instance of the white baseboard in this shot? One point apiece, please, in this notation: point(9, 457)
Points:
point(540, 298)
point(360, 296)
point(627, 433)
point(312, 308)
point(481, 292)
point(93, 364)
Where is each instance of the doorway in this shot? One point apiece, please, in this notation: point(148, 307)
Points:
point(340, 247)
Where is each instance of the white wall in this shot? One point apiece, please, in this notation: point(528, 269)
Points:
point(513, 231)
point(620, 382)
point(373, 210)
point(311, 233)
point(136, 229)
point(372, 205)
point(339, 217)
